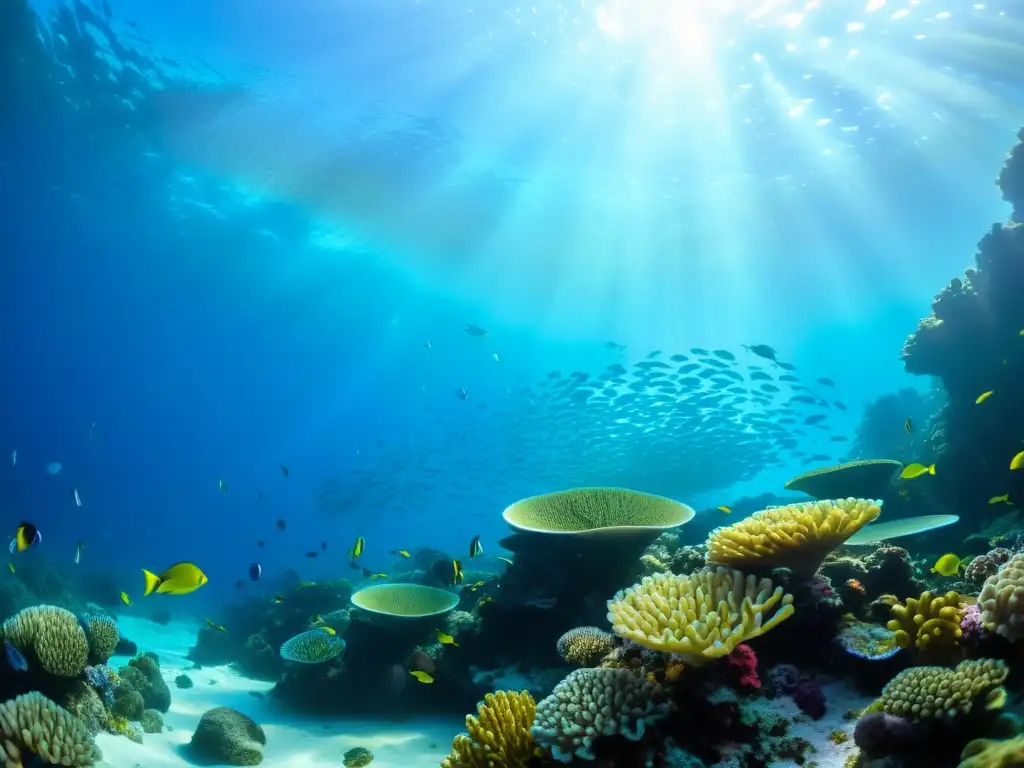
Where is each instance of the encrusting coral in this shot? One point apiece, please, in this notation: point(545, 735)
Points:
point(591, 703)
point(585, 646)
point(924, 693)
point(701, 616)
point(34, 725)
point(1002, 600)
point(53, 635)
point(795, 536)
point(929, 623)
point(498, 735)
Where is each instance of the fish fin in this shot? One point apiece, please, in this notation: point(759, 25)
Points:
point(152, 582)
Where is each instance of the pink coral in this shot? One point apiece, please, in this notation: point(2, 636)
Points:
point(743, 663)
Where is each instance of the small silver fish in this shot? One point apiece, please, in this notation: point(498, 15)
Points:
point(78, 553)
point(14, 457)
point(494, 357)
point(78, 499)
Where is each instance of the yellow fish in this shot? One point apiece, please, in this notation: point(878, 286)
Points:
point(423, 677)
point(916, 470)
point(456, 572)
point(1017, 461)
point(329, 630)
point(380, 576)
point(484, 600)
point(125, 599)
point(724, 508)
point(402, 552)
point(357, 549)
point(1004, 499)
point(218, 627)
point(10, 566)
point(983, 397)
point(179, 579)
point(948, 565)
point(446, 639)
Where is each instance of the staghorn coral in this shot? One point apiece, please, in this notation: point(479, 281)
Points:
point(701, 616)
point(32, 724)
point(795, 536)
point(1002, 600)
point(930, 624)
point(993, 753)
point(53, 635)
point(591, 703)
point(498, 736)
point(226, 736)
point(102, 635)
point(585, 646)
point(925, 693)
point(312, 647)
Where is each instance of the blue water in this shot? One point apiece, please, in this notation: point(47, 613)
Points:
point(310, 192)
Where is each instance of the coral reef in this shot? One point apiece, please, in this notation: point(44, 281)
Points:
point(53, 635)
point(151, 721)
point(866, 479)
point(226, 736)
point(983, 566)
point(585, 646)
point(34, 725)
point(498, 736)
point(586, 511)
point(142, 675)
point(102, 635)
point(701, 616)
point(312, 647)
point(922, 693)
point(1002, 600)
point(405, 601)
point(993, 753)
point(930, 624)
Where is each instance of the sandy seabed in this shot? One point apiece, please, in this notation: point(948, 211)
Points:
point(292, 740)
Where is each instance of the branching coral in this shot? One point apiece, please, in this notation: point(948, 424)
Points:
point(591, 703)
point(585, 646)
point(924, 693)
point(701, 616)
point(53, 635)
point(930, 624)
point(1002, 600)
point(498, 735)
point(796, 536)
point(34, 725)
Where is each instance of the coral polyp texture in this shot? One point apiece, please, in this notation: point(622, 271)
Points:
point(53, 635)
point(585, 646)
point(859, 479)
point(702, 616)
point(930, 623)
point(594, 510)
point(32, 725)
point(406, 601)
point(993, 753)
point(313, 647)
point(590, 704)
point(796, 536)
point(498, 736)
point(925, 693)
point(1002, 600)
point(102, 635)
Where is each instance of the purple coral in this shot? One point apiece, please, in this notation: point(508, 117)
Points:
point(971, 626)
point(879, 733)
point(101, 677)
point(983, 566)
point(788, 680)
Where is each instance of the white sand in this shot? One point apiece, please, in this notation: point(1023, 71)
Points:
point(292, 740)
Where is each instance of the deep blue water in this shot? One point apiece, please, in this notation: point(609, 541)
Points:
point(248, 276)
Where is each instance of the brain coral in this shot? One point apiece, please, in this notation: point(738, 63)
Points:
point(923, 693)
point(53, 635)
point(498, 736)
point(1002, 600)
point(864, 479)
point(103, 637)
point(408, 601)
point(312, 647)
point(929, 623)
point(590, 510)
point(226, 736)
point(796, 536)
point(585, 646)
point(591, 703)
point(34, 725)
point(701, 616)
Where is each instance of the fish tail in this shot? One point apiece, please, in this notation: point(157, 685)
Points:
point(152, 582)
point(931, 469)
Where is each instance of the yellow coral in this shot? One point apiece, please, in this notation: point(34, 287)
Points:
point(585, 646)
point(499, 734)
point(993, 753)
point(1002, 600)
point(796, 536)
point(53, 635)
point(923, 693)
point(34, 725)
point(103, 637)
point(929, 623)
point(701, 616)
point(652, 564)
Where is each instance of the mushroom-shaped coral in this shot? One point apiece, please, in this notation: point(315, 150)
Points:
point(313, 647)
point(102, 635)
point(53, 635)
point(591, 703)
point(34, 725)
point(1002, 600)
point(585, 646)
point(795, 536)
point(597, 511)
point(859, 479)
point(930, 623)
point(225, 736)
point(925, 693)
point(498, 735)
point(894, 529)
point(701, 616)
point(407, 601)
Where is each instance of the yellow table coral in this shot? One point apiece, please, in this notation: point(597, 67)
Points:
point(795, 536)
point(499, 734)
point(930, 623)
point(701, 616)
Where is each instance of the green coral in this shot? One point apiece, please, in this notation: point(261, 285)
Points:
point(53, 635)
point(34, 725)
point(152, 721)
point(927, 693)
point(143, 675)
point(103, 637)
point(993, 753)
point(121, 727)
point(226, 736)
point(85, 703)
point(128, 704)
